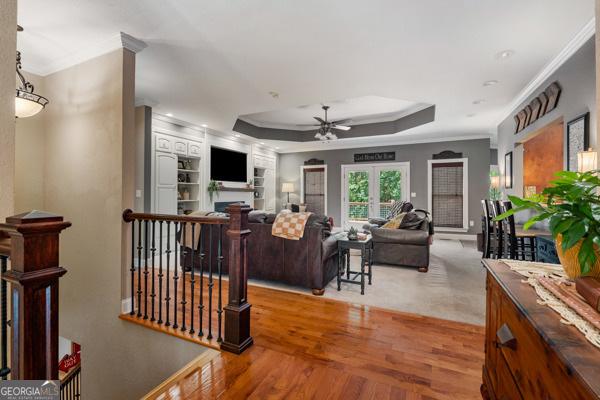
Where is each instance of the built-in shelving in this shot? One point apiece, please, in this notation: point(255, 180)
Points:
point(188, 179)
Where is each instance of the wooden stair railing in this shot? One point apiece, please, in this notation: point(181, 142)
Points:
point(31, 240)
point(184, 302)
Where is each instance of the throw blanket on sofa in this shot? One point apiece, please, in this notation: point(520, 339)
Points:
point(290, 225)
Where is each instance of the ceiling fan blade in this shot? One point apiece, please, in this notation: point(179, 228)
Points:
point(342, 121)
point(320, 120)
point(341, 127)
point(316, 125)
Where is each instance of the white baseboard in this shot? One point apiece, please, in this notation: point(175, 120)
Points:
point(126, 305)
point(454, 236)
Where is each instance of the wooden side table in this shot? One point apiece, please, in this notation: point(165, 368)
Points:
point(366, 260)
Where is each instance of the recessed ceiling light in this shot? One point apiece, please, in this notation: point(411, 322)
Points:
point(504, 54)
point(479, 101)
point(204, 126)
point(262, 142)
point(276, 148)
point(169, 114)
point(237, 135)
point(491, 82)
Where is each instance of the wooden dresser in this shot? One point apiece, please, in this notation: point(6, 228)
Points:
point(529, 353)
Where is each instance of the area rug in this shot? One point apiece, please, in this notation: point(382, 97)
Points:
point(454, 287)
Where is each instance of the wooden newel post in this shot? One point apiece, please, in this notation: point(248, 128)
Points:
point(237, 311)
point(34, 277)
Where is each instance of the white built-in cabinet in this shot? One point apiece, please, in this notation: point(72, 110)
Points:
point(264, 182)
point(177, 177)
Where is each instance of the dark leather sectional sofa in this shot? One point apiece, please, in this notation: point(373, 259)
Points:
point(310, 262)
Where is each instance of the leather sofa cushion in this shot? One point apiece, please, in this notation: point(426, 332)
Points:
point(406, 236)
point(258, 217)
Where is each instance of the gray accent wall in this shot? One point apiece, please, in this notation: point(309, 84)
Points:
point(577, 77)
point(477, 151)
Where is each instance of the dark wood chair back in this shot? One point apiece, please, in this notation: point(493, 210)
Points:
point(497, 245)
point(509, 229)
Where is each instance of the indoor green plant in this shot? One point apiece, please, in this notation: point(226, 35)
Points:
point(572, 206)
point(213, 187)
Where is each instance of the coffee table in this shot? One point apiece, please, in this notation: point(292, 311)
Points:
point(366, 261)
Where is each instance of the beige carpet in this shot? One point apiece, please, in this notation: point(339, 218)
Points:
point(454, 287)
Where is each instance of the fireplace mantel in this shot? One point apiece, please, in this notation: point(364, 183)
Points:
point(235, 189)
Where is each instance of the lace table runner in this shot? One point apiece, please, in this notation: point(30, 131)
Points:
point(575, 316)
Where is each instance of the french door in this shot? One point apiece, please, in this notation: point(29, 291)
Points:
point(369, 190)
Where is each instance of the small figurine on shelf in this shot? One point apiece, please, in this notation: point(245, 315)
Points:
point(187, 178)
point(352, 233)
point(186, 194)
point(188, 164)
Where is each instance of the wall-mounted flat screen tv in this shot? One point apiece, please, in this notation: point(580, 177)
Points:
point(228, 165)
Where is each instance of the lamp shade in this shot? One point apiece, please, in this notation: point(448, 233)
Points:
point(587, 160)
point(25, 107)
point(287, 187)
point(495, 181)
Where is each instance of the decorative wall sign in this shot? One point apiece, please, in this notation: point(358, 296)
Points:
point(314, 161)
point(578, 137)
point(508, 174)
point(447, 154)
point(382, 156)
point(538, 107)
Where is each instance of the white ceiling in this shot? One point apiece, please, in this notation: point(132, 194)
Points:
point(211, 61)
point(359, 110)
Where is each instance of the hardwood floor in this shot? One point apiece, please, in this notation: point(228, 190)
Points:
point(308, 347)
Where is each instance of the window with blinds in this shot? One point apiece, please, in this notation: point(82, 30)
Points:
point(447, 194)
point(314, 190)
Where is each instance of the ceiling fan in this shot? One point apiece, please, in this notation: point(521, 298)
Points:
point(325, 127)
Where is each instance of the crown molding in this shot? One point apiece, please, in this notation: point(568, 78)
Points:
point(119, 41)
point(575, 44)
point(355, 144)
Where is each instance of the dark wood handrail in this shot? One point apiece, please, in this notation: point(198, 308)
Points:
point(129, 216)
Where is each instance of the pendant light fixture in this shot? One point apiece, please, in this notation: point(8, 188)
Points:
point(27, 102)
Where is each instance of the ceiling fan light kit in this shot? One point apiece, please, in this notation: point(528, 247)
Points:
point(324, 133)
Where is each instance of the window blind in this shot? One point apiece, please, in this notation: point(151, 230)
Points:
point(447, 194)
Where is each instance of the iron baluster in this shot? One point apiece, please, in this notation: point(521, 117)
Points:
point(210, 257)
point(153, 289)
point(160, 270)
point(4, 319)
point(220, 296)
point(145, 269)
point(192, 280)
point(139, 271)
point(132, 269)
point(175, 279)
point(183, 255)
point(168, 253)
point(201, 305)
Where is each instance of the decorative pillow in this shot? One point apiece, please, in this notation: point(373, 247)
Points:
point(399, 207)
point(412, 220)
point(295, 208)
point(395, 222)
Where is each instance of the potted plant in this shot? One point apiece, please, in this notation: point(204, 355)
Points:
point(572, 206)
point(213, 187)
point(352, 233)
